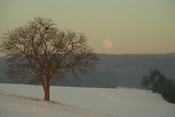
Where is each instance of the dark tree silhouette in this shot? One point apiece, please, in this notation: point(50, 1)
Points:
point(153, 80)
point(167, 90)
point(158, 83)
point(39, 52)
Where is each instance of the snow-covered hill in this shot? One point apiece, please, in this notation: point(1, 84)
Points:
point(22, 100)
point(19, 106)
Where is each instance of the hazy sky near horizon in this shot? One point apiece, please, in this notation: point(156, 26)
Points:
point(133, 26)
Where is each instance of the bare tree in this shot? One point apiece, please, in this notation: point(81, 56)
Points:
point(39, 52)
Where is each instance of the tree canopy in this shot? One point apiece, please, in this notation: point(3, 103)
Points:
point(40, 52)
point(157, 82)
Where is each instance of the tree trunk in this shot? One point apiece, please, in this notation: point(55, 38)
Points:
point(47, 94)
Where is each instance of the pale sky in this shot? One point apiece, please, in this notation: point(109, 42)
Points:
point(133, 26)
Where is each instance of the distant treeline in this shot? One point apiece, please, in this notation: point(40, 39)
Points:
point(115, 70)
point(157, 82)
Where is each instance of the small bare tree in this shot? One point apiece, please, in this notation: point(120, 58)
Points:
point(39, 52)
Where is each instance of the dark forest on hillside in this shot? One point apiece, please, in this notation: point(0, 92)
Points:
point(115, 70)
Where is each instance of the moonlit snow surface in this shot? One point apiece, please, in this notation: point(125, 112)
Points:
point(92, 101)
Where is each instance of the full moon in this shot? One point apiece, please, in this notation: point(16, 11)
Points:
point(107, 43)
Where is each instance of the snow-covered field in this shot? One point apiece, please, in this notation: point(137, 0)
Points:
point(26, 100)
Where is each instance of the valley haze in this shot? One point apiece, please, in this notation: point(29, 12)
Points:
point(115, 70)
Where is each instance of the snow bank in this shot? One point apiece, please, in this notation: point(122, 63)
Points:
point(118, 102)
point(19, 106)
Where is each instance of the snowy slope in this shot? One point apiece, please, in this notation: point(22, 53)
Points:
point(19, 106)
point(118, 102)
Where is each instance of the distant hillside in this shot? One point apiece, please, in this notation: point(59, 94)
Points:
point(117, 70)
